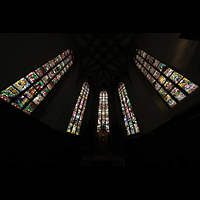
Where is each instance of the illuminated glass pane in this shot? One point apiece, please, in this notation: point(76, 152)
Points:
point(162, 92)
point(30, 108)
point(169, 100)
point(151, 59)
point(176, 77)
point(157, 86)
point(51, 74)
point(46, 67)
point(40, 71)
point(143, 54)
point(168, 85)
point(20, 101)
point(77, 115)
point(152, 70)
point(39, 85)
point(50, 85)
point(32, 77)
point(156, 74)
point(161, 67)
point(58, 76)
point(187, 85)
point(168, 71)
point(9, 93)
point(54, 80)
point(150, 78)
point(161, 79)
point(164, 75)
point(45, 79)
point(25, 89)
point(37, 100)
point(30, 92)
point(128, 114)
point(177, 94)
point(22, 84)
point(156, 62)
point(103, 116)
point(45, 91)
point(57, 68)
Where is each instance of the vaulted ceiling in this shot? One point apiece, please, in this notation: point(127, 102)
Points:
point(103, 56)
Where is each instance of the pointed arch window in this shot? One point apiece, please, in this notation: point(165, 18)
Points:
point(171, 85)
point(79, 109)
point(103, 113)
point(130, 121)
point(29, 91)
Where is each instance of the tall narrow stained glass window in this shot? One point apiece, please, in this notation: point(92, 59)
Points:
point(79, 109)
point(128, 114)
point(29, 91)
point(103, 115)
point(171, 85)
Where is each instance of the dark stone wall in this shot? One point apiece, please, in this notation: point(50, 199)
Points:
point(25, 141)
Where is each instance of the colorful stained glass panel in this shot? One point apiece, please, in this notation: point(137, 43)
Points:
point(39, 85)
point(30, 108)
point(157, 86)
point(177, 94)
point(32, 77)
point(161, 66)
point(30, 92)
point(156, 74)
point(45, 79)
point(168, 85)
point(187, 85)
point(162, 92)
point(77, 115)
point(172, 86)
point(37, 100)
point(22, 84)
point(25, 89)
point(40, 71)
point(176, 77)
point(20, 101)
point(45, 91)
point(168, 71)
point(162, 79)
point(169, 100)
point(103, 116)
point(129, 117)
point(9, 93)
point(46, 67)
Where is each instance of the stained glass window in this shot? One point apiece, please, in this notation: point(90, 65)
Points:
point(103, 114)
point(130, 121)
point(29, 91)
point(79, 109)
point(171, 85)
